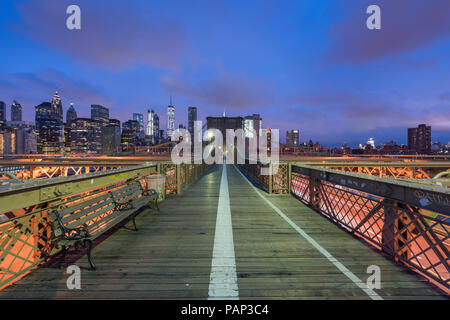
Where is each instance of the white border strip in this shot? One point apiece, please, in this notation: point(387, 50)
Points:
point(223, 278)
point(371, 293)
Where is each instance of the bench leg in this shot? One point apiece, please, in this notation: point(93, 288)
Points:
point(156, 203)
point(89, 249)
point(63, 256)
point(134, 223)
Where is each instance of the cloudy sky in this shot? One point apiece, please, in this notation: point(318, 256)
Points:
point(309, 65)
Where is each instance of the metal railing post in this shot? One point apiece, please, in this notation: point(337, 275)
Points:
point(270, 178)
point(163, 189)
point(178, 174)
point(186, 174)
point(388, 232)
point(289, 177)
point(314, 192)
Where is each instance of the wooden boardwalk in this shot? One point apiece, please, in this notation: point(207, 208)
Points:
point(170, 256)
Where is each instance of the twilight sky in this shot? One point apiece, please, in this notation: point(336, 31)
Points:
point(309, 65)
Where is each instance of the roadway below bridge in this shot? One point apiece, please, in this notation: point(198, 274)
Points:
point(222, 238)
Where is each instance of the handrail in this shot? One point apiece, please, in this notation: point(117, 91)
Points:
point(426, 196)
point(407, 219)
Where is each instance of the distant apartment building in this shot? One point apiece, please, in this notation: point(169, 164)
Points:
point(155, 135)
point(2, 114)
point(139, 117)
point(170, 121)
point(57, 108)
point(30, 141)
point(292, 138)
point(71, 118)
point(16, 111)
point(192, 116)
point(49, 127)
point(25, 140)
point(86, 136)
point(161, 135)
point(111, 137)
point(152, 131)
point(130, 132)
point(7, 142)
point(100, 113)
point(419, 139)
point(150, 116)
point(71, 115)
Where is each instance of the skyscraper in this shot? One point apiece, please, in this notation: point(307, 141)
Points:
point(192, 116)
point(16, 111)
point(71, 115)
point(419, 139)
point(292, 138)
point(86, 136)
point(111, 137)
point(170, 120)
point(100, 113)
point(150, 122)
point(2, 114)
point(7, 142)
point(57, 108)
point(155, 135)
point(139, 117)
point(49, 128)
point(130, 131)
point(152, 126)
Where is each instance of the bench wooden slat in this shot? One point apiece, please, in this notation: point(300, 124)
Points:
point(127, 195)
point(82, 204)
point(67, 215)
point(126, 190)
point(79, 222)
point(116, 217)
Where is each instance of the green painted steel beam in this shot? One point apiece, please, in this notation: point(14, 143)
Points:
point(18, 195)
point(422, 195)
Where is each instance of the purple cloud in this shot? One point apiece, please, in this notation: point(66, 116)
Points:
point(445, 97)
point(113, 34)
point(405, 26)
point(235, 92)
point(346, 111)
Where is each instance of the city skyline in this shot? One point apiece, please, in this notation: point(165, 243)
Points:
point(145, 124)
point(300, 65)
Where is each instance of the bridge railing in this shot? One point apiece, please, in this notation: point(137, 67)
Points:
point(26, 232)
point(408, 221)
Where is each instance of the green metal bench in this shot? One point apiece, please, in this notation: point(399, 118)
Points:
point(82, 223)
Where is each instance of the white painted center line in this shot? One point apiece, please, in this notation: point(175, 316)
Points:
point(371, 293)
point(223, 278)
